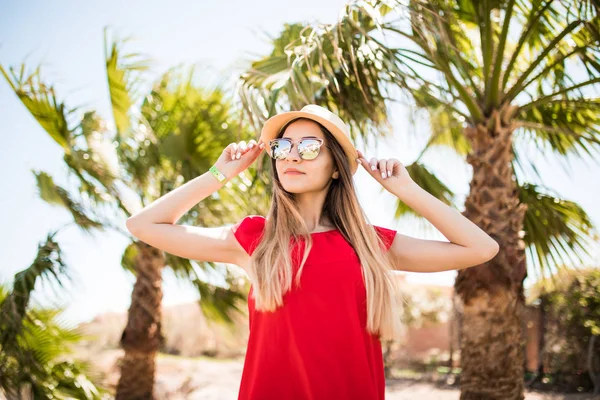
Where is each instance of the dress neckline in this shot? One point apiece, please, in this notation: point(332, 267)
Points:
point(312, 233)
point(331, 230)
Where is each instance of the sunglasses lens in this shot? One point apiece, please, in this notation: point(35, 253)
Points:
point(309, 149)
point(280, 148)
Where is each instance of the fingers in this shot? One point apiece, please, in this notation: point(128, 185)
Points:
point(256, 146)
point(383, 167)
point(241, 148)
point(390, 167)
point(233, 150)
point(373, 164)
point(254, 149)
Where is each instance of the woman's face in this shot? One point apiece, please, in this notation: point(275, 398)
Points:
point(317, 173)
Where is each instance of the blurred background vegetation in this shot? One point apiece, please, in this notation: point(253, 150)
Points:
point(485, 72)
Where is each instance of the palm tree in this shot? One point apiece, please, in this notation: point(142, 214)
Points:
point(492, 75)
point(174, 135)
point(184, 130)
point(35, 358)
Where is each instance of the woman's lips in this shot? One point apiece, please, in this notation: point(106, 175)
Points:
point(294, 173)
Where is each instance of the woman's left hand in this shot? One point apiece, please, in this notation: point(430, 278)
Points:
point(391, 173)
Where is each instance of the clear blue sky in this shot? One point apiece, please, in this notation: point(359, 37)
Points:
point(67, 39)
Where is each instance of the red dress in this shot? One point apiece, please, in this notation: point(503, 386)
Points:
point(316, 346)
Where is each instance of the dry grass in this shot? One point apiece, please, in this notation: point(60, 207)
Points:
point(219, 379)
point(189, 374)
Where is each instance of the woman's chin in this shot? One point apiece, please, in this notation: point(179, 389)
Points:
point(293, 187)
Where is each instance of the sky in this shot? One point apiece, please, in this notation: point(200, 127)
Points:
point(66, 39)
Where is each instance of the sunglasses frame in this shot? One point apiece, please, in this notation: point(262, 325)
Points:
point(297, 142)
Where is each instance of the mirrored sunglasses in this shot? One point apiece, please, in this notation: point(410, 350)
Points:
point(308, 148)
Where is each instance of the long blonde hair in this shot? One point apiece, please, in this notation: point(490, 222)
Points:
point(272, 263)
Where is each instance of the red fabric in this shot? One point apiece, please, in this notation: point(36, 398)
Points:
point(316, 346)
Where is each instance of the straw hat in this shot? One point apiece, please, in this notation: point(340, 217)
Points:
point(329, 120)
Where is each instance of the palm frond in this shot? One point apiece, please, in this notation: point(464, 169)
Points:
point(555, 43)
point(447, 131)
point(564, 63)
point(41, 101)
point(440, 32)
point(557, 232)
point(53, 194)
point(577, 47)
point(38, 359)
point(123, 72)
point(495, 83)
point(446, 123)
point(88, 150)
point(565, 94)
point(47, 265)
point(536, 20)
point(218, 303)
point(339, 66)
point(566, 126)
point(430, 183)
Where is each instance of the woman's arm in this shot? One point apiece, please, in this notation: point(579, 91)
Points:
point(169, 208)
point(156, 224)
point(468, 244)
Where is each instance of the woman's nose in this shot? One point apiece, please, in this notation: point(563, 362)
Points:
point(293, 154)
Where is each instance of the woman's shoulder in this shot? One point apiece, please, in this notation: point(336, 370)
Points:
point(252, 222)
point(249, 230)
point(254, 219)
point(256, 216)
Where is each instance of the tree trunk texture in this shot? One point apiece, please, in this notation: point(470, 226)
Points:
point(142, 337)
point(491, 295)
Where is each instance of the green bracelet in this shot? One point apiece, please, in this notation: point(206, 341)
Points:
point(218, 174)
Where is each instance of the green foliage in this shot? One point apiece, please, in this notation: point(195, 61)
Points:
point(573, 297)
point(555, 228)
point(124, 78)
point(340, 67)
point(570, 301)
point(53, 194)
point(35, 353)
point(42, 102)
point(39, 360)
point(428, 181)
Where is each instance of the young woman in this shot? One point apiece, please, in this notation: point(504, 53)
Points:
point(323, 293)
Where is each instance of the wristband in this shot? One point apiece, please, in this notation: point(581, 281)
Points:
point(218, 174)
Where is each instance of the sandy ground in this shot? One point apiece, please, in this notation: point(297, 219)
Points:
point(209, 379)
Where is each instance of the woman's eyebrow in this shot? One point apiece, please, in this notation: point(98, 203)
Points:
point(303, 137)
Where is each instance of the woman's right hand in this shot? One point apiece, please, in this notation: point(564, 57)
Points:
point(230, 164)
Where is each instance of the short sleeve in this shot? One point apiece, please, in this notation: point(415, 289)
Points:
point(386, 234)
point(248, 231)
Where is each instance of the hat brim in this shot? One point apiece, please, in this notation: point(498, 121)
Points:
point(273, 125)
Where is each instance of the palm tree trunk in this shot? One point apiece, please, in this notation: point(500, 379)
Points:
point(491, 294)
point(142, 337)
